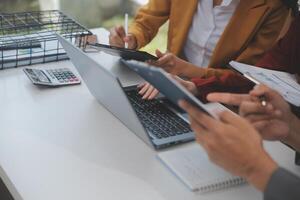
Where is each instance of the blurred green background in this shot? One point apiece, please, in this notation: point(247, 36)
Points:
point(90, 13)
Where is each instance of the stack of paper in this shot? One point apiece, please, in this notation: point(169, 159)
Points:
point(284, 83)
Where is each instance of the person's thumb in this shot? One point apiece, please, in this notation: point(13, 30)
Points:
point(181, 81)
point(158, 53)
point(262, 90)
point(121, 31)
point(131, 40)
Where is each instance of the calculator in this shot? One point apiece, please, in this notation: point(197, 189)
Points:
point(52, 77)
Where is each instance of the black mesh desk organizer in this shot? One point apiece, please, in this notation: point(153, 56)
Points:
point(29, 37)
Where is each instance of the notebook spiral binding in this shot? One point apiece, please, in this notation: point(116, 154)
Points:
point(221, 185)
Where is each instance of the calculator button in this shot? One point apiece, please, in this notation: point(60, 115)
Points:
point(41, 76)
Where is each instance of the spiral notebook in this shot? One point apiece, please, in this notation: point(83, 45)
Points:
point(193, 167)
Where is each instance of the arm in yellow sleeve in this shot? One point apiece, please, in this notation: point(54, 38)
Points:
point(148, 20)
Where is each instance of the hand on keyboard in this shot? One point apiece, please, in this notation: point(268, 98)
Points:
point(149, 92)
point(157, 119)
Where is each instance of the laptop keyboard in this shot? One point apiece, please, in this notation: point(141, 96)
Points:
point(156, 118)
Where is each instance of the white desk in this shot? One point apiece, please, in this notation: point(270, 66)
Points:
point(61, 144)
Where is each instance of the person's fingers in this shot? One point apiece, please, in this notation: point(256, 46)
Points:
point(158, 53)
point(168, 68)
point(202, 119)
point(121, 31)
point(262, 90)
point(167, 60)
point(207, 130)
point(228, 98)
point(261, 125)
point(144, 89)
point(149, 92)
point(231, 118)
point(256, 118)
point(131, 40)
point(248, 108)
point(200, 132)
point(190, 86)
point(164, 61)
point(113, 31)
point(153, 94)
point(259, 90)
point(179, 80)
point(278, 113)
point(141, 85)
point(115, 41)
point(126, 39)
point(114, 38)
point(266, 129)
point(151, 62)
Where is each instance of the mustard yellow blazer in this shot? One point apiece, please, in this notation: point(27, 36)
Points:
point(253, 29)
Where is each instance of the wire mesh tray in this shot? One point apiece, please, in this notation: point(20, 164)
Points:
point(29, 37)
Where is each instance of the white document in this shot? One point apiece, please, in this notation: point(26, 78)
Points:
point(284, 83)
point(193, 167)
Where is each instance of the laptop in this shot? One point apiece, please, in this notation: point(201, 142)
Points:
point(173, 90)
point(159, 123)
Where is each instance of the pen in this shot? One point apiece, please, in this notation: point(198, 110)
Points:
point(126, 29)
point(263, 101)
point(248, 76)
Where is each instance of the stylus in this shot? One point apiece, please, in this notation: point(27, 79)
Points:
point(126, 29)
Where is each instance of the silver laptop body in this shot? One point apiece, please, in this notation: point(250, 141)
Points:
point(108, 90)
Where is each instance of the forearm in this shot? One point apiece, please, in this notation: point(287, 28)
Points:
point(190, 70)
point(261, 172)
point(148, 20)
